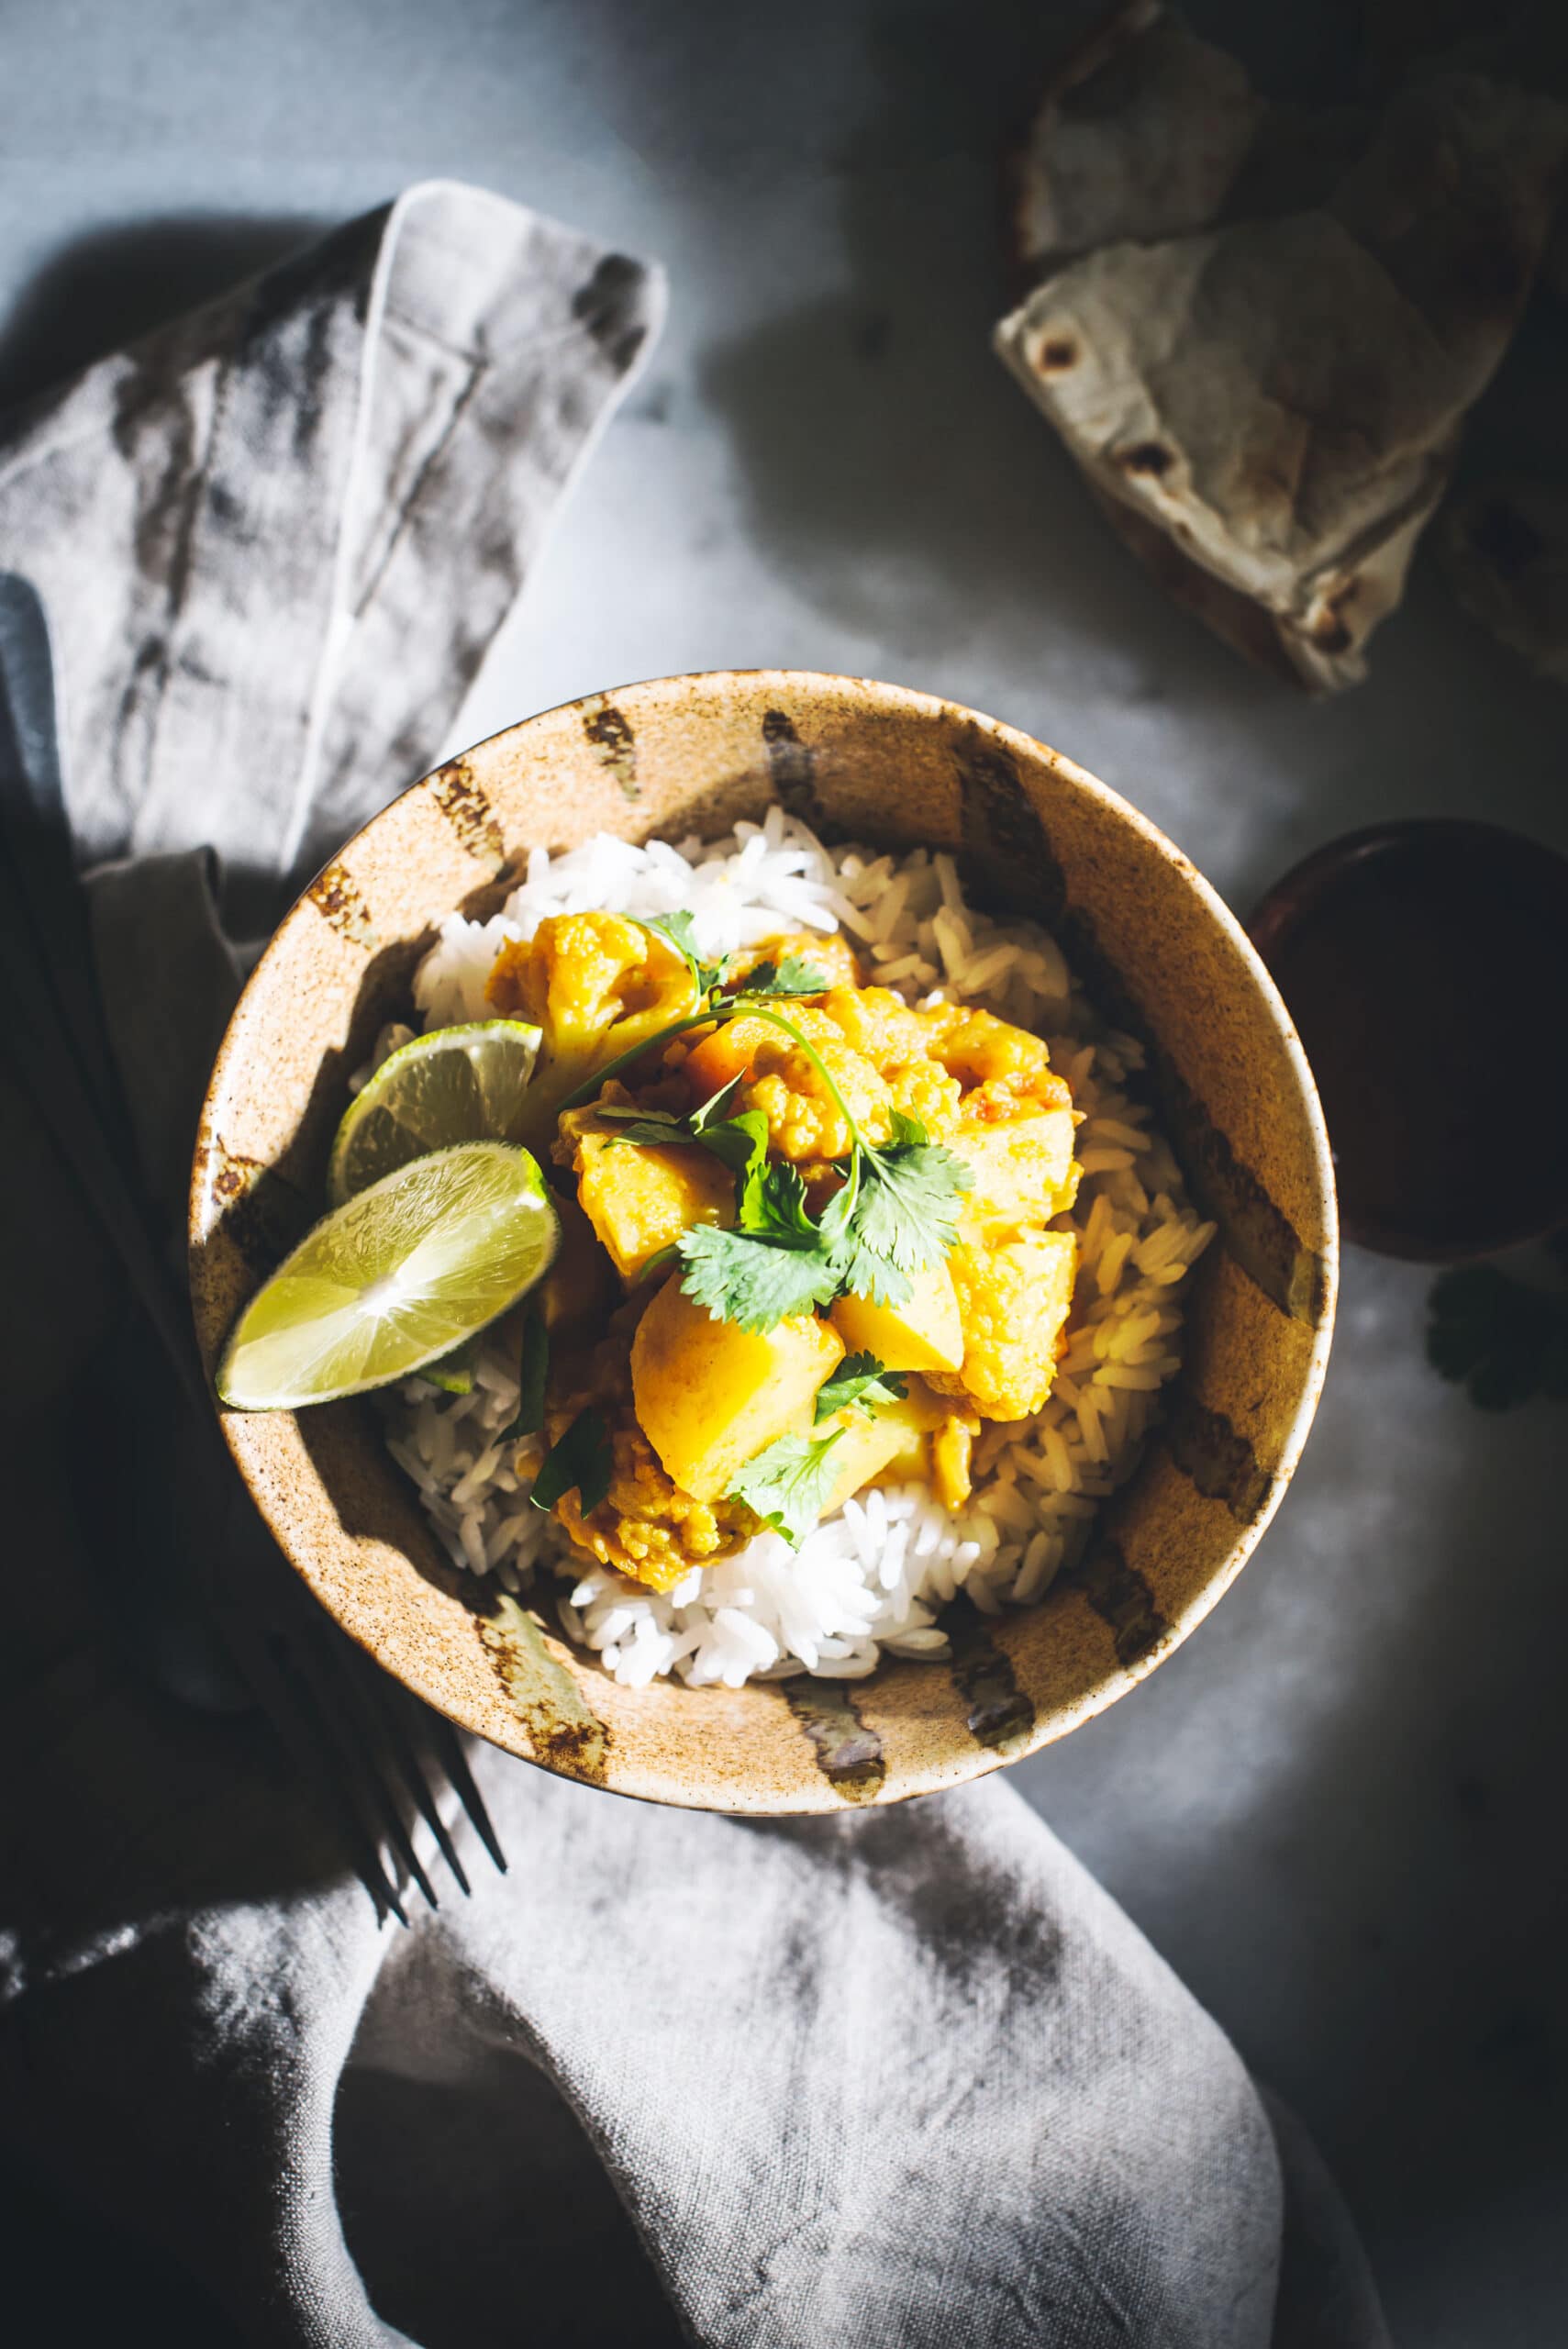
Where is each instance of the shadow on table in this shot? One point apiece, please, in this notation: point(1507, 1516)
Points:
point(531, 2241)
point(103, 290)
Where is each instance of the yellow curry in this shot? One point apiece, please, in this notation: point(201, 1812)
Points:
point(687, 1145)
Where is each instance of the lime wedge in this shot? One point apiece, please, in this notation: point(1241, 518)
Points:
point(457, 1085)
point(395, 1279)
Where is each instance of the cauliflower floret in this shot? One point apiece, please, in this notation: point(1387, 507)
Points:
point(879, 1024)
point(925, 1091)
point(804, 1122)
point(597, 985)
point(647, 1527)
point(1013, 1300)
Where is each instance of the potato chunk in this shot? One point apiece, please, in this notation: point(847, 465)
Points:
point(980, 1049)
point(923, 1333)
point(1014, 1298)
point(640, 1198)
point(710, 1395)
point(645, 1526)
point(889, 1447)
point(952, 1450)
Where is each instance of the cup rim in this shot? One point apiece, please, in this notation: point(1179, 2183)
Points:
point(1285, 901)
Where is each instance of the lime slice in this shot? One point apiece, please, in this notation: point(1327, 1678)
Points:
point(395, 1279)
point(457, 1085)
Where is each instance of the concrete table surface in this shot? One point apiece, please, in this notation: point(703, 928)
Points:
point(1337, 1810)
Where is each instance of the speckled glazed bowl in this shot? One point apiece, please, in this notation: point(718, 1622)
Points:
point(1162, 957)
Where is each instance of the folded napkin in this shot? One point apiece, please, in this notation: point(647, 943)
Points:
point(892, 2079)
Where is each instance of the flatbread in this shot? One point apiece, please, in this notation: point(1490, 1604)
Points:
point(1268, 404)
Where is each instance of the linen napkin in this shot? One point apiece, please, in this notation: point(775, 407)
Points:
point(899, 2077)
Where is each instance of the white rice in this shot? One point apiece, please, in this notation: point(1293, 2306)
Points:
point(876, 1573)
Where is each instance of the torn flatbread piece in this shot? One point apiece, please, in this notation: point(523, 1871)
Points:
point(1139, 134)
point(1269, 407)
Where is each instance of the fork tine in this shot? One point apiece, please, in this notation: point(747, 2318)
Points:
point(331, 1663)
point(269, 1667)
point(403, 1724)
point(454, 1761)
point(270, 1622)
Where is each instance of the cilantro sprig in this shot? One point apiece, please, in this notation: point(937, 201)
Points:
point(788, 1483)
point(896, 1211)
point(680, 931)
point(862, 1381)
point(795, 975)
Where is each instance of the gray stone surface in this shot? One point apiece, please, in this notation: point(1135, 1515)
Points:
point(1337, 1809)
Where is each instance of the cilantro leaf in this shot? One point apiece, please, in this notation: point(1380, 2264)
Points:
point(755, 1282)
point(860, 1270)
point(860, 1380)
point(679, 931)
point(907, 1214)
point(741, 1144)
point(1503, 1341)
point(776, 1207)
point(656, 1126)
point(776, 1260)
point(649, 1131)
point(533, 1370)
point(862, 1273)
point(788, 1483)
point(795, 975)
point(582, 1459)
point(709, 1112)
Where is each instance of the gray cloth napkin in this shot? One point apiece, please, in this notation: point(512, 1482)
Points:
point(895, 2080)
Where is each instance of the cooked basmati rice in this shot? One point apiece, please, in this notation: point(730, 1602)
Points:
point(875, 1575)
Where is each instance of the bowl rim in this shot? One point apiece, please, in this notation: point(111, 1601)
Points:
point(1049, 1725)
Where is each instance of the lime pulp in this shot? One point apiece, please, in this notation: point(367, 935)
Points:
point(466, 1084)
point(394, 1278)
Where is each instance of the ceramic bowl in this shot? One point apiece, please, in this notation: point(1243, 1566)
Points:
point(1165, 960)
